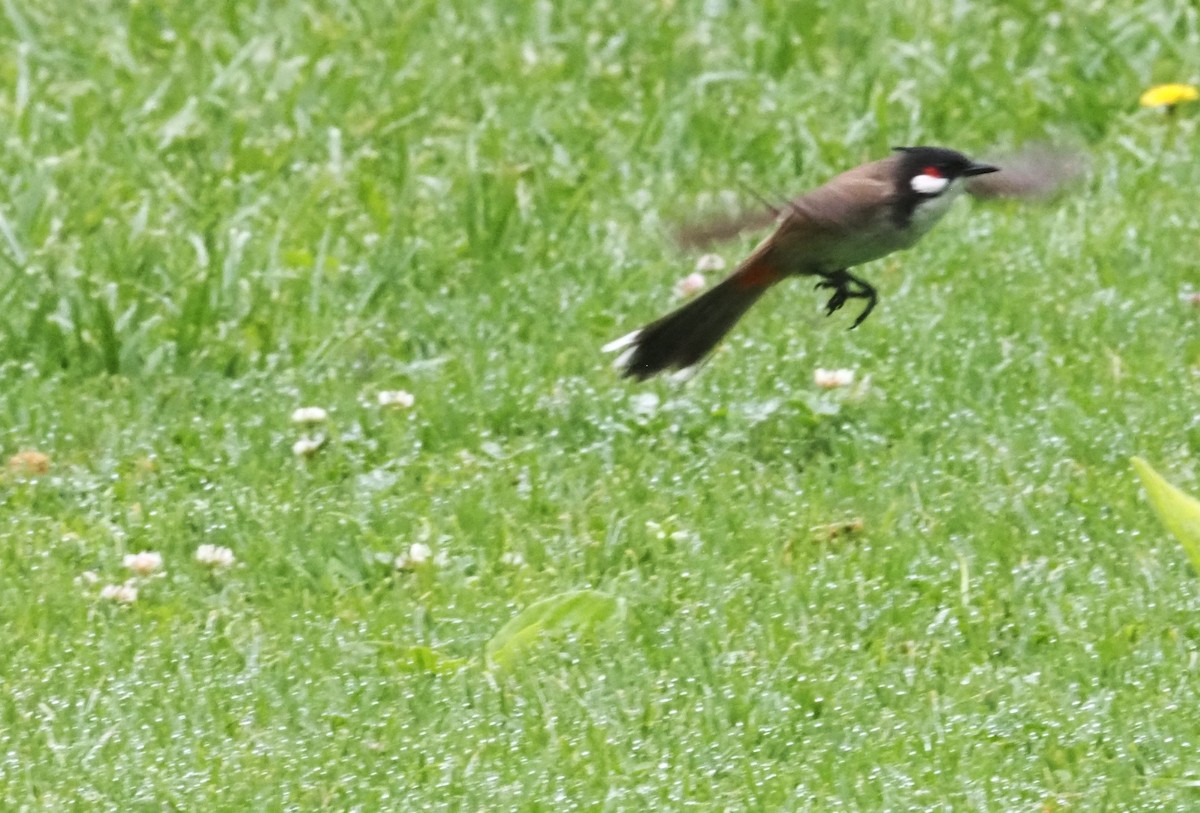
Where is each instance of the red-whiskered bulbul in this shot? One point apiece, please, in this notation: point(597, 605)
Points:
point(861, 215)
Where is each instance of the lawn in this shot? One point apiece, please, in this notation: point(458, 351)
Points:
point(216, 213)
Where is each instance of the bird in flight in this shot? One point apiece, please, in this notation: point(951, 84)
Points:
point(861, 215)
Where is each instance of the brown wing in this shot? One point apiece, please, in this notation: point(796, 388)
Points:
point(846, 204)
point(843, 203)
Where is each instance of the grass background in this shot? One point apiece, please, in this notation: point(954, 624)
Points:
point(212, 213)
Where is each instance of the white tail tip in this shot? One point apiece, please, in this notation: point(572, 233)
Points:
point(684, 374)
point(628, 340)
point(622, 361)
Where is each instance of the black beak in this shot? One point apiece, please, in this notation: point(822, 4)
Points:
point(979, 169)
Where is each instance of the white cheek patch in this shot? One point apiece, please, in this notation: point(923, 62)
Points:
point(929, 184)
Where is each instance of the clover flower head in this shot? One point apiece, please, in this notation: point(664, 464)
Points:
point(690, 285)
point(144, 563)
point(833, 379)
point(310, 415)
point(214, 556)
point(121, 593)
point(307, 447)
point(396, 398)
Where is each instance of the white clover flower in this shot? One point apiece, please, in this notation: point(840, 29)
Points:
point(512, 559)
point(214, 556)
point(832, 379)
point(307, 447)
point(710, 262)
point(87, 577)
point(120, 593)
point(691, 284)
point(144, 563)
point(396, 398)
point(644, 404)
point(418, 554)
point(310, 415)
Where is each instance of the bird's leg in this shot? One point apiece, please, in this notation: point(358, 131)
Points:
point(839, 281)
point(865, 291)
point(847, 286)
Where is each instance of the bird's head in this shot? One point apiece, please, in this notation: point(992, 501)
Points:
point(930, 171)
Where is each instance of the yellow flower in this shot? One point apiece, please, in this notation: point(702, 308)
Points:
point(1169, 95)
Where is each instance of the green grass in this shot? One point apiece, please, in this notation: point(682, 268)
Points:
point(213, 213)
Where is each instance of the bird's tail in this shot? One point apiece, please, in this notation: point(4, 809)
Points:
point(686, 335)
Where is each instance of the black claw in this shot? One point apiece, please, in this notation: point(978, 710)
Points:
point(837, 282)
point(866, 311)
point(836, 301)
point(867, 293)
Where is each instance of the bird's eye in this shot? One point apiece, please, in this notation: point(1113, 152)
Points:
point(932, 172)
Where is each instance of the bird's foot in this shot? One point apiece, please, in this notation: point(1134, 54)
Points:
point(871, 298)
point(845, 287)
point(840, 295)
point(841, 291)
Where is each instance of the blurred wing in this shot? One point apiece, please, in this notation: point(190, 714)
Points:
point(1035, 171)
point(719, 228)
point(842, 204)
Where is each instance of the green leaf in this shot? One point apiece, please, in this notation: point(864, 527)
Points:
point(418, 659)
point(579, 610)
point(1179, 512)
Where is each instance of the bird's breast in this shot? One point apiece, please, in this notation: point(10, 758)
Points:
point(886, 232)
point(925, 215)
point(876, 237)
